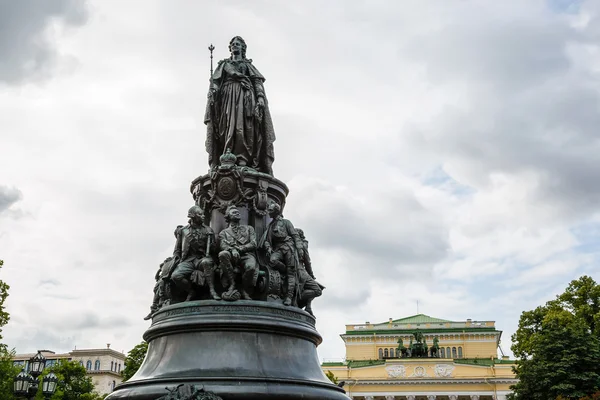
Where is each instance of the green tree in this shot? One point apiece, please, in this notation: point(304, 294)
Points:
point(134, 359)
point(331, 377)
point(558, 346)
point(8, 371)
point(73, 382)
point(4, 316)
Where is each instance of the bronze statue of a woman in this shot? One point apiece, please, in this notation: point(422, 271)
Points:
point(237, 113)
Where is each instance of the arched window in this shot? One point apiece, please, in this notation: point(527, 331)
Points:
point(112, 365)
point(81, 363)
point(113, 385)
point(97, 365)
point(386, 353)
point(442, 352)
point(448, 354)
point(460, 352)
point(88, 365)
point(119, 367)
point(454, 352)
point(380, 354)
point(392, 353)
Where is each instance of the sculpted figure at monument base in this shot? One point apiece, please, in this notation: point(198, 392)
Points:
point(308, 286)
point(194, 265)
point(236, 258)
point(284, 248)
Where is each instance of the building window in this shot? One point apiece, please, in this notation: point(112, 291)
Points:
point(380, 354)
point(454, 352)
point(442, 352)
point(448, 354)
point(81, 363)
point(386, 353)
point(112, 365)
point(97, 365)
point(460, 352)
point(88, 365)
point(113, 384)
point(392, 353)
point(119, 367)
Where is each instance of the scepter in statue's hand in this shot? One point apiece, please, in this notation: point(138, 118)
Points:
point(210, 89)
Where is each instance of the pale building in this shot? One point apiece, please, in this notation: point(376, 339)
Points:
point(104, 366)
point(468, 366)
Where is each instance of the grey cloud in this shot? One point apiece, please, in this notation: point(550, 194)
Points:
point(90, 320)
point(391, 229)
point(506, 51)
point(8, 197)
point(531, 108)
point(49, 282)
point(36, 339)
point(345, 303)
point(25, 50)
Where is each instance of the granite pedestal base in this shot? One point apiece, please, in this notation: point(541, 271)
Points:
point(246, 350)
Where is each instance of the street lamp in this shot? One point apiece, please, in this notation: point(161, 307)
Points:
point(22, 384)
point(37, 364)
point(49, 383)
point(26, 383)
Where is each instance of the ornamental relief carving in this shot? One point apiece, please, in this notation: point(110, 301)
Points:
point(396, 371)
point(419, 372)
point(443, 370)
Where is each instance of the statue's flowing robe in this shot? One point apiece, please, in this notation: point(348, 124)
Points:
point(232, 122)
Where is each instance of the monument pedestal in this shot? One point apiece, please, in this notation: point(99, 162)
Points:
point(245, 350)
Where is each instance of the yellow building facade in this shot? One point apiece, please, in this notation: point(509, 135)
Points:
point(467, 366)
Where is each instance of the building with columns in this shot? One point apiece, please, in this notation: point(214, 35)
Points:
point(467, 366)
point(104, 366)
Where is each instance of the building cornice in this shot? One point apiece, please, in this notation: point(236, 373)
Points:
point(97, 353)
point(445, 381)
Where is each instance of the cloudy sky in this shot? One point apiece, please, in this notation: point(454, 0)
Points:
point(445, 152)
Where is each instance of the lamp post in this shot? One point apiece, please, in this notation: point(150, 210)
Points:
point(26, 383)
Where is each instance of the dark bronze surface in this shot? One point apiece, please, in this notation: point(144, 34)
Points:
point(239, 350)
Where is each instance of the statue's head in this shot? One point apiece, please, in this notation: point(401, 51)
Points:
point(273, 210)
point(196, 214)
point(237, 45)
point(300, 233)
point(232, 214)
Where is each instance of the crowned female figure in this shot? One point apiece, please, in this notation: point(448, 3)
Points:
point(237, 113)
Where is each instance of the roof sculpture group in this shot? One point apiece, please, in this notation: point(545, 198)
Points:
point(418, 348)
point(237, 245)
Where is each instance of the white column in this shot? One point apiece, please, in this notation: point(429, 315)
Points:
point(500, 397)
point(431, 397)
point(453, 397)
point(368, 397)
point(474, 397)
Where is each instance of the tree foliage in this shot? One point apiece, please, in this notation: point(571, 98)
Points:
point(73, 382)
point(558, 346)
point(134, 359)
point(4, 316)
point(331, 377)
point(8, 371)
